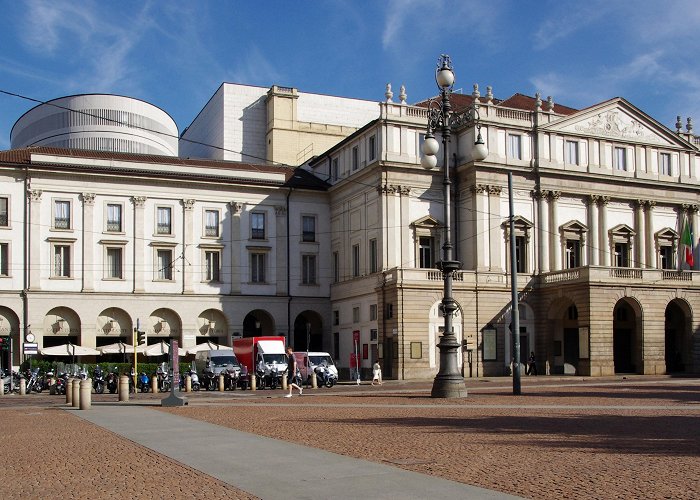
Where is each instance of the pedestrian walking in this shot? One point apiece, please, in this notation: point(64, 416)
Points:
point(376, 373)
point(531, 365)
point(291, 373)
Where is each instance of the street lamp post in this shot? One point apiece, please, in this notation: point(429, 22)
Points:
point(449, 382)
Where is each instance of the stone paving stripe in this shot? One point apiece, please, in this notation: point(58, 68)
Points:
point(269, 468)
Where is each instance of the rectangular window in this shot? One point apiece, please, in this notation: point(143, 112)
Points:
point(212, 263)
point(425, 252)
point(355, 158)
point(164, 222)
point(514, 146)
point(61, 219)
point(373, 255)
point(308, 269)
point(573, 254)
point(355, 261)
point(61, 261)
point(4, 259)
point(211, 223)
point(621, 255)
point(113, 267)
point(355, 314)
point(389, 311)
point(620, 159)
point(572, 157)
point(666, 257)
point(372, 153)
point(373, 313)
point(257, 225)
point(4, 214)
point(308, 229)
point(520, 254)
point(257, 268)
point(336, 345)
point(336, 317)
point(335, 174)
point(164, 263)
point(336, 267)
point(665, 164)
point(114, 218)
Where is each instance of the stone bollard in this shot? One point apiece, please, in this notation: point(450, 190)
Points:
point(22, 386)
point(314, 380)
point(76, 392)
point(188, 383)
point(124, 388)
point(154, 384)
point(284, 382)
point(221, 382)
point(2, 387)
point(253, 382)
point(69, 391)
point(85, 387)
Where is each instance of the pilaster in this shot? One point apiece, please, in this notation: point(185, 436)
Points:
point(544, 233)
point(237, 245)
point(88, 263)
point(188, 246)
point(594, 244)
point(282, 266)
point(140, 268)
point(555, 240)
point(495, 235)
point(604, 254)
point(35, 263)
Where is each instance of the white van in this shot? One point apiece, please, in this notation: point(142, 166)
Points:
point(315, 358)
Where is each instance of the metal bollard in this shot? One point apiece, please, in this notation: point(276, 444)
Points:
point(123, 388)
point(284, 382)
point(22, 386)
point(314, 380)
point(69, 391)
point(76, 392)
point(85, 387)
point(221, 382)
point(253, 382)
point(154, 384)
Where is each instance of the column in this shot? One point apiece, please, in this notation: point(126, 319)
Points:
point(405, 212)
point(649, 245)
point(640, 239)
point(555, 240)
point(35, 262)
point(604, 256)
point(236, 244)
point(481, 217)
point(593, 236)
point(88, 264)
point(543, 211)
point(693, 216)
point(496, 241)
point(281, 265)
point(140, 270)
point(188, 246)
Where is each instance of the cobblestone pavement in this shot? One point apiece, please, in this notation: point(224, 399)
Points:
point(563, 438)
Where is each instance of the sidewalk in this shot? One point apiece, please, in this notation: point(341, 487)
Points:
point(271, 468)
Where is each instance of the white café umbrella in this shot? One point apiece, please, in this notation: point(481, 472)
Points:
point(207, 346)
point(69, 349)
point(118, 348)
point(159, 349)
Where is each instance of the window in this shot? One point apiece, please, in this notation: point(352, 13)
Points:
point(212, 265)
point(114, 218)
point(61, 210)
point(355, 261)
point(257, 225)
point(164, 222)
point(308, 269)
point(620, 160)
point(335, 175)
point(4, 259)
point(61, 261)
point(355, 158)
point(355, 314)
point(373, 255)
point(211, 223)
point(336, 317)
point(622, 255)
point(164, 264)
point(573, 254)
point(372, 153)
point(514, 146)
point(373, 312)
point(308, 228)
point(4, 215)
point(425, 252)
point(665, 164)
point(389, 311)
point(336, 267)
point(666, 257)
point(520, 254)
point(257, 268)
point(113, 263)
point(572, 156)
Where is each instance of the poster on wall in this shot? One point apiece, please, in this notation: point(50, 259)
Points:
point(489, 345)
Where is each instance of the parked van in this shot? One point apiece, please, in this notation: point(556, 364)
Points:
point(315, 359)
point(219, 360)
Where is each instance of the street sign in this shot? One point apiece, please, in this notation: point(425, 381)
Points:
point(31, 348)
point(356, 336)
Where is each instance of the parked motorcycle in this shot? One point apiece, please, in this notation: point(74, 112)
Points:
point(33, 382)
point(112, 381)
point(270, 376)
point(163, 378)
point(61, 383)
point(7, 381)
point(208, 380)
point(143, 384)
point(98, 380)
point(325, 377)
point(194, 380)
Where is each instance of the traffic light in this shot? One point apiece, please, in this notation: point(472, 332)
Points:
point(4, 343)
point(143, 338)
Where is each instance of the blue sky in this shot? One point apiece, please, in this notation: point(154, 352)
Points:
point(175, 53)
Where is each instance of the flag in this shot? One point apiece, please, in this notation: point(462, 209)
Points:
point(687, 242)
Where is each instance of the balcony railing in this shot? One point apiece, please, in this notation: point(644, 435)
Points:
point(211, 231)
point(61, 222)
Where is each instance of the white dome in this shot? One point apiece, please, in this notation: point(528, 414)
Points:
point(98, 122)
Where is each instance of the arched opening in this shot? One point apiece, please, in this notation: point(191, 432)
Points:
point(627, 349)
point(9, 331)
point(308, 332)
point(677, 337)
point(61, 326)
point(563, 342)
point(212, 327)
point(258, 323)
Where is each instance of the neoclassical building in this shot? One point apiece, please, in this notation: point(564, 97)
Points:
point(345, 245)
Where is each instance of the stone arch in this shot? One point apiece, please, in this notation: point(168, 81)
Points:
point(627, 336)
point(61, 325)
point(113, 325)
point(678, 337)
point(563, 355)
point(258, 323)
point(308, 332)
point(163, 324)
point(212, 326)
point(10, 328)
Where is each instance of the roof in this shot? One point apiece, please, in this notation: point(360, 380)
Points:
point(524, 102)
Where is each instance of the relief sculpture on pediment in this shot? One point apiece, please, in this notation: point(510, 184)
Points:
point(617, 125)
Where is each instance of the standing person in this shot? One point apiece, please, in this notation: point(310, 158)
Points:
point(291, 373)
point(376, 373)
point(531, 364)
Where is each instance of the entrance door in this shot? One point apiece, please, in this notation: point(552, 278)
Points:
point(388, 359)
point(571, 346)
point(622, 350)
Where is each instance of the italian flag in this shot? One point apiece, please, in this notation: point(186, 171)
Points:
point(687, 242)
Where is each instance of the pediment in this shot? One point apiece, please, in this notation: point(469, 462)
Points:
point(574, 226)
point(519, 222)
point(426, 222)
point(666, 233)
point(623, 229)
point(617, 120)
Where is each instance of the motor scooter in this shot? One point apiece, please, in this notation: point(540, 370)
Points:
point(98, 380)
point(112, 381)
point(324, 376)
point(194, 380)
point(143, 382)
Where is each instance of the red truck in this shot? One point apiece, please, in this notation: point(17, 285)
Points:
point(263, 356)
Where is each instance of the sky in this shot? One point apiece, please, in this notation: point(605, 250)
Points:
point(175, 54)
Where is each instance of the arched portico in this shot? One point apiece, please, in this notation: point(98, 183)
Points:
point(627, 337)
point(308, 332)
point(678, 337)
